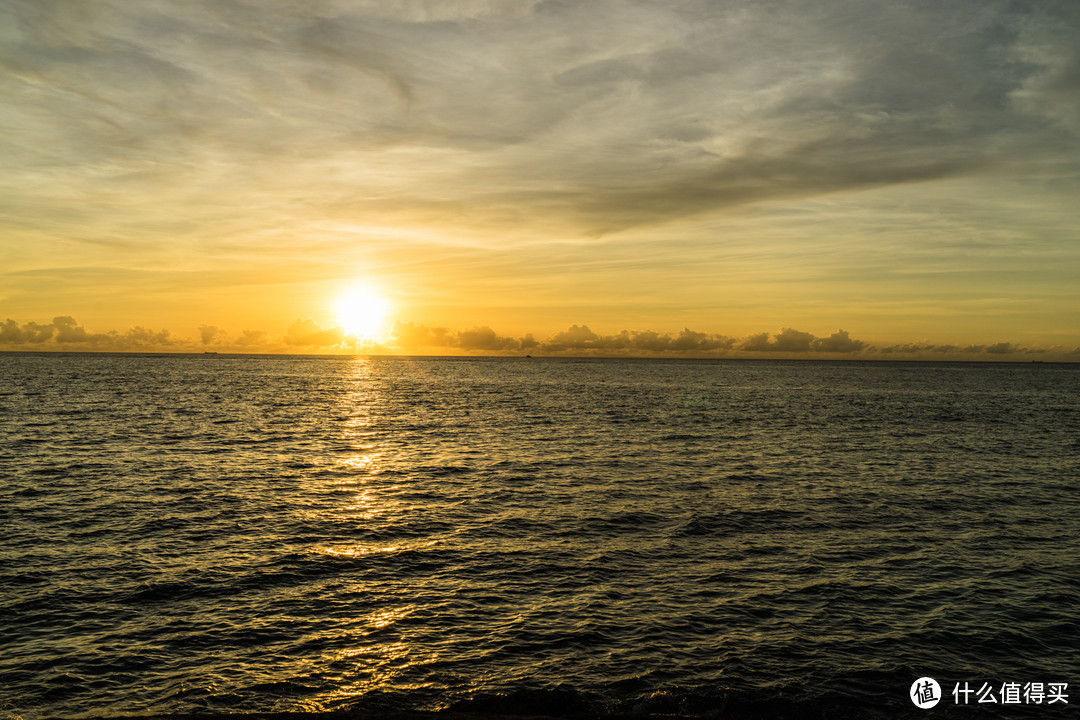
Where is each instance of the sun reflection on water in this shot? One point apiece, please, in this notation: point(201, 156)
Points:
point(360, 462)
point(367, 508)
point(378, 656)
point(357, 551)
point(376, 667)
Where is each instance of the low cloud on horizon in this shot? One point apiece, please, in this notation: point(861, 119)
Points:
point(64, 333)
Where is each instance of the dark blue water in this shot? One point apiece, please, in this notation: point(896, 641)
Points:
point(218, 533)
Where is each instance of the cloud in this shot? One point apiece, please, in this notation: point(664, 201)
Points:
point(66, 333)
point(839, 342)
point(589, 116)
point(1003, 348)
point(417, 336)
point(575, 339)
point(691, 341)
point(757, 343)
point(905, 349)
point(790, 340)
point(484, 338)
point(207, 333)
point(141, 337)
point(13, 333)
point(582, 340)
point(578, 337)
point(69, 331)
point(251, 338)
point(1047, 46)
point(408, 335)
point(308, 333)
point(951, 350)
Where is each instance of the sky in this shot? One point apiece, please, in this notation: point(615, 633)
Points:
point(803, 178)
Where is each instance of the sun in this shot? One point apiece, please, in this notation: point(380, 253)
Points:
point(362, 312)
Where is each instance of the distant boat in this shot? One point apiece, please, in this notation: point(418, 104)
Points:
point(209, 352)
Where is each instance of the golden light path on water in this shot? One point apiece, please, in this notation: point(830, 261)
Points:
point(379, 664)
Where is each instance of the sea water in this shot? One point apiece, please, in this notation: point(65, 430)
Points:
point(718, 538)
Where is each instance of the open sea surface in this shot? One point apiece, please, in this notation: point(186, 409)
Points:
point(714, 538)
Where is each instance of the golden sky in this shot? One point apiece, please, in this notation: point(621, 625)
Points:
point(810, 178)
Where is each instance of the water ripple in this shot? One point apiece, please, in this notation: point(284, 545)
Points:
point(191, 534)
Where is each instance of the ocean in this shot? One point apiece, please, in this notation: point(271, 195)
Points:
point(708, 538)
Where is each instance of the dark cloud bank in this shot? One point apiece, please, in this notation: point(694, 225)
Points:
point(65, 333)
point(306, 336)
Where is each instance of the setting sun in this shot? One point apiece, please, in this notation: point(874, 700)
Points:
point(362, 312)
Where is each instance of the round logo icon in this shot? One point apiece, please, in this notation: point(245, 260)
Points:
point(925, 693)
